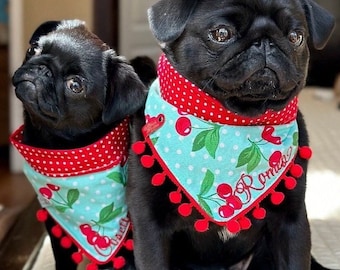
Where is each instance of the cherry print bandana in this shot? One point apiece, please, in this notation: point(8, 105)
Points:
point(87, 202)
point(225, 168)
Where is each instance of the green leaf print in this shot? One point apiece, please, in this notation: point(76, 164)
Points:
point(108, 213)
point(154, 140)
point(72, 197)
point(61, 208)
point(296, 139)
point(251, 156)
point(199, 141)
point(207, 183)
point(212, 141)
point(205, 205)
point(117, 177)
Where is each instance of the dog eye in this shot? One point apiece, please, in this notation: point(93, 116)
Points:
point(296, 38)
point(33, 50)
point(75, 84)
point(221, 34)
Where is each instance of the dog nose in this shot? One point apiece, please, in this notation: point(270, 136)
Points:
point(264, 44)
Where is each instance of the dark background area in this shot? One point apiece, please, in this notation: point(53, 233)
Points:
point(325, 64)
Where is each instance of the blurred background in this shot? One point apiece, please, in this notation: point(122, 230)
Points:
point(123, 25)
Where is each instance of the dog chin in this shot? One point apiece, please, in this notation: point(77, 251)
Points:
point(254, 108)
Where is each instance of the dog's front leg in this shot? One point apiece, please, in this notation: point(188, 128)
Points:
point(289, 242)
point(151, 244)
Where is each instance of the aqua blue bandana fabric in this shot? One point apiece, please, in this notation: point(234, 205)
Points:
point(224, 170)
point(90, 208)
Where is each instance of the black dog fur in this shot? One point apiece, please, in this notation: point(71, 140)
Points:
point(257, 68)
point(74, 90)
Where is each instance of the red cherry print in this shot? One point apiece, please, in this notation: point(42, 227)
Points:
point(53, 187)
point(92, 238)
point(275, 158)
point(175, 197)
point(86, 229)
point(201, 225)
point(226, 211)
point(46, 192)
point(153, 124)
point(234, 202)
point(103, 242)
point(183, 126)
point(267, 134)
point(224, 191)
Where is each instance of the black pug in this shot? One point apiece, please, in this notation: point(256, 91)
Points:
point(77, 96)
point(219, 178)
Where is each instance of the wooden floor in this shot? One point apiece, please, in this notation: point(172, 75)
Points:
point(19, 230)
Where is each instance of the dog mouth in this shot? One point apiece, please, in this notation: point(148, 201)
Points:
point(30, 93)
point(259, 93)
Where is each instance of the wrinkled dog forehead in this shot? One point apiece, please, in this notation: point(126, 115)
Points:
point(71, 35)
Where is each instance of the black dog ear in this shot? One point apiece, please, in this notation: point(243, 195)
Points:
point(43, 30)
point(125, 94)
point(320, 22)
point(168, 18)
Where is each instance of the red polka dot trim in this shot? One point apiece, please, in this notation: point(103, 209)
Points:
point(106, 153)
point(187, 97)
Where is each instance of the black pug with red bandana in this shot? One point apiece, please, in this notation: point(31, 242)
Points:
point(228, 66)
point(77, 95)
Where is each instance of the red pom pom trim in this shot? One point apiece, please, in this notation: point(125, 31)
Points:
point(185, 209)
point(119, 262)
point(42, 215)
point(277, 198)
point(296, 170)
point(77, 257)
point(259, 213)
point(147, 161)
point(158, 179)
point(138, 147)
point(91, 266)
point(66, 242)
point(57, 231)
point(175, 197)
point(233, 226)
point(305, 152)
point(129, 244)
point(201, 225)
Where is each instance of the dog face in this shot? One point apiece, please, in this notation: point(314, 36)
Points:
point(72, 81)
point(251, 55)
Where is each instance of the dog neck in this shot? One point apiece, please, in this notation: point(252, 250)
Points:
point(187, 97)
point(105, 153)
